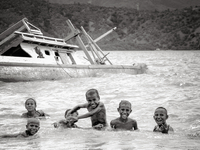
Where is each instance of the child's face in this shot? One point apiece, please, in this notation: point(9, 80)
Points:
point(160, 116)
point(33, 128)
point(124, 111)
point(30, 105)
point(71, 118)
point(74, 114)
point(93, 100)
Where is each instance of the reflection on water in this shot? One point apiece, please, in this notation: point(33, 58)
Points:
point(173, 81)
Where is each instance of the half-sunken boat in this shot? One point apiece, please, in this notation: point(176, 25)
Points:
point(27, 55)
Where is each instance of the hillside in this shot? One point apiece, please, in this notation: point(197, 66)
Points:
point(136, 30)
point(159, 5)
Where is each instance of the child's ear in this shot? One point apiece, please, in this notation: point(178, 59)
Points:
point(118, 109)
point(167, 117)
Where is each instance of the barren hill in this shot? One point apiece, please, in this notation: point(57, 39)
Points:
point(136, 4)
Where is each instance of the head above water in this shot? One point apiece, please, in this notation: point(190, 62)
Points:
point(124, 103)
point(33, 121)
point(160, 116)
point(91, 92)
point(33, 125)
point(74, 113)
point(124, 109)
point(162, 109)
point(30, 99)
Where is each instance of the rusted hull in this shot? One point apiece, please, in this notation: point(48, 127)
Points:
point(34, 72)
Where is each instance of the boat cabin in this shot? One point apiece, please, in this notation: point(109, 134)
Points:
point(33, 45)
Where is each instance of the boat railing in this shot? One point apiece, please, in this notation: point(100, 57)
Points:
point(44, 39)
point(31, 28)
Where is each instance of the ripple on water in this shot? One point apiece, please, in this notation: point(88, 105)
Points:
point(172, 82)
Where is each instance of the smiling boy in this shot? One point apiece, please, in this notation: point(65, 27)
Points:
point(160, 117)
point(124, 122)
point(96, 109)
point(33, 125)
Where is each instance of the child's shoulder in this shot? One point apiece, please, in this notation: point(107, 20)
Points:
point(23, 134)
point(101, 104)
point(24, 115)
point(115, 120)
point(40, 113)
point(132, 120)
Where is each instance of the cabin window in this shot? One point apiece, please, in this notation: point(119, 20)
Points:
point(16, 52)
point(47, 52)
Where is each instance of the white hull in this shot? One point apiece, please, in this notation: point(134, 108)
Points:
point(26, 72)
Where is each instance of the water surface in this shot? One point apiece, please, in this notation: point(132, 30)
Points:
point(173, 81)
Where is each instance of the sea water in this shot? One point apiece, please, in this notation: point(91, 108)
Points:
point(172, 81)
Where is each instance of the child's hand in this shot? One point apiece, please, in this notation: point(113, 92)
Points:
point(98, 127)
point(164, 129)
point(69, 113)
point(72, 119)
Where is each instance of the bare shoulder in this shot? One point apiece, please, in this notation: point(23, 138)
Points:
point(114, 121)
point(132, 120)
point(41, 113)
point(101, 105)
point(24, 115)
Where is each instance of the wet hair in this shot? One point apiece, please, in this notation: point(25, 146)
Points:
point(33, 120)
point(68, 111)
point(91, 92)
point(32, 100)
point(124, 102)
point(162, 108)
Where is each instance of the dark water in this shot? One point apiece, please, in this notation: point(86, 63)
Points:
point(173, 81)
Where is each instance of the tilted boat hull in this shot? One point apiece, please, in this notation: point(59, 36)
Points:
point(21, 72)
point(27, 55)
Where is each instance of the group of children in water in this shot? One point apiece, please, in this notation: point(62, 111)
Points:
point(97, 113)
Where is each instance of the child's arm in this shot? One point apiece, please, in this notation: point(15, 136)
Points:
point(89, 114)
point(10, 135)
point(77, 108)
point(42, 113)
point(135, 126)
point(112, 124)
point(24, 115)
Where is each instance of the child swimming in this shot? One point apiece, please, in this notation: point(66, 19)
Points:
point(69, 121)
point(124, 122)
point(33, 125)
point(30, 105)
point(160, 117)
point(96, 109)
